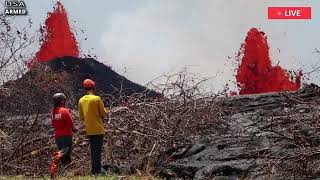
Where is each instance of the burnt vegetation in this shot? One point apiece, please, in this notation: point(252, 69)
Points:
point(173, 131)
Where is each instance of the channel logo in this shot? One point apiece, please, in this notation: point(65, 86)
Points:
point(15, 8)
point(289, 12)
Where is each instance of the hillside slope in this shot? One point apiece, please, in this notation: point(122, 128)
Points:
point(33, 91)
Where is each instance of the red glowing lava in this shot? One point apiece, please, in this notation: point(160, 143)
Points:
point(255, 74)
point(58, 40)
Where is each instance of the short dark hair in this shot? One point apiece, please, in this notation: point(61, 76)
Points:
point(59, 104)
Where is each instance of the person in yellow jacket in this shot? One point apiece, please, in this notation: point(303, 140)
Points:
point(92, 112)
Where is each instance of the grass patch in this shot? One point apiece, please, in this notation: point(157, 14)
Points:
point(81, 178)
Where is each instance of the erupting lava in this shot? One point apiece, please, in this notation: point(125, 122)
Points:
point(58, 39)
point(255, 74)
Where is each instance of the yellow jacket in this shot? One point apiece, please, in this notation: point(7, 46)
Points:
point(92, 111)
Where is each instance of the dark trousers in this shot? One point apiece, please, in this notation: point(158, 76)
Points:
point(64, 143)
point(96, 142)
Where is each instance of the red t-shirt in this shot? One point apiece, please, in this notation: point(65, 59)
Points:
point(62, 121)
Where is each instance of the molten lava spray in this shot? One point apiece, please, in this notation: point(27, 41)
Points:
point(58, 39)
point(256, 74)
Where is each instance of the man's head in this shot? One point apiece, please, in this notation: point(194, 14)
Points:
point(88, 84)
point(59, 99)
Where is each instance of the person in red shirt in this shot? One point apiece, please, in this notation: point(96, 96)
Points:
point(63, 125)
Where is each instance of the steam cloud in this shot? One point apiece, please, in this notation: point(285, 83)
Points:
point(163, 36)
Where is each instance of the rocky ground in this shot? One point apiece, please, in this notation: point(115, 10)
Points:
point(266, 136)
point(272, 136)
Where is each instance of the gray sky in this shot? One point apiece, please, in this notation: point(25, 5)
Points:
point(148, 38)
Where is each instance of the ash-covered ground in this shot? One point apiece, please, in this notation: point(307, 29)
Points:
point(274, 135)
point(270, 136)
point(33, 91)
